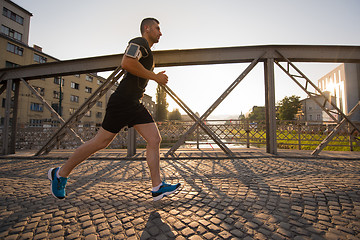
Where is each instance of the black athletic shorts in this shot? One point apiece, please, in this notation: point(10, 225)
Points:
point(121, 112)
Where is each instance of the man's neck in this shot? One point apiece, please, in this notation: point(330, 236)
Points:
point(148, 40)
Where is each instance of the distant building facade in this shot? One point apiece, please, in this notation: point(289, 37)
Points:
point(343, 84)
point(312, 112)
point(65, 94)
point(15, 21)
point(342, 88)
point(149, 104)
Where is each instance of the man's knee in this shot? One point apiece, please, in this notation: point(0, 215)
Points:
point(155, 140)
point(101, 143)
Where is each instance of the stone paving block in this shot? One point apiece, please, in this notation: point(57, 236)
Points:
point(75, 235)
point(40, 236)
point(248, 198)
point(11, 237)
point(89, 230)
point(91, 237)
point(201, 230)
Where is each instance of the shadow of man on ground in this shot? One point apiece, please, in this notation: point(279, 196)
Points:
point(156, 228)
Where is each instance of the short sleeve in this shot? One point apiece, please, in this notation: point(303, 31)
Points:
point(142, 43)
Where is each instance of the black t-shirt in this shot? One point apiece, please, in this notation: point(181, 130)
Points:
point(131, 86)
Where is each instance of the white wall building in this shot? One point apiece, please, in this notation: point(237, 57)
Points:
point(343, 83)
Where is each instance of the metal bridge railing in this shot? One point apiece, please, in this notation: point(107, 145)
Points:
point(234, 133)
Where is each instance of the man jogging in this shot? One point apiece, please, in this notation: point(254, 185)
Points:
point(124, 109)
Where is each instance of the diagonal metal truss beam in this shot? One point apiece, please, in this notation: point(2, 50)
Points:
point(47, 105)
point(84, 108)
point(331, 135)
point(322, 103)
point(2, 88)
point(312, 95)
point(214, 105)
point(196, 119)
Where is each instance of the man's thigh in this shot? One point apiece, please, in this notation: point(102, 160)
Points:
point(149, 131)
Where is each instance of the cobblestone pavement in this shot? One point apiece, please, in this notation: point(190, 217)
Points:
point(254, 198)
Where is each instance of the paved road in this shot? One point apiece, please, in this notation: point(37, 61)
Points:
point(250, 198)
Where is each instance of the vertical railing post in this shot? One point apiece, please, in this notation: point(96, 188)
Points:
point(270, 116)
point(131, 147)
point(299, 133)
point(350, 138)
point(198, 138)
point(5, 145)
point(247, 129)
point(14, 118)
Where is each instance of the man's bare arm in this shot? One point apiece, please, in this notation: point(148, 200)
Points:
point(133, 66)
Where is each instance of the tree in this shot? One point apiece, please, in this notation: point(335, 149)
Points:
point(288, 107)
point(174, 115)
point(161, 104)
point(258, 113)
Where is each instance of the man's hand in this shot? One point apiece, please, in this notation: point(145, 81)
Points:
point(161, 78)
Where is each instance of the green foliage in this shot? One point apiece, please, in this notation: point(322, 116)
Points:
point(174, 115)
point(161, 104)
point(288, 107)
point(258, 113)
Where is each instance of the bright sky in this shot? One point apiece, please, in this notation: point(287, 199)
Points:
point(85, 28)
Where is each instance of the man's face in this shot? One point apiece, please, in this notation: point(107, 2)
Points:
point(154, 32)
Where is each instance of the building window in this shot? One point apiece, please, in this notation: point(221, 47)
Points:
point(74, 98)
point(40, 90)
point(35, 123)
point(56, 94)
point(99, 114)
point(11, 33)
point(72, 111)
point(75, 85)
point(89, 78)
point(318, 117)
point(37, 107)
point(99, 82)
point(55, 106)
point(88, 89)
point(13, 16)
point(39, 59)
point(57, 80)
point(99, 104)
point(15, 49)
point(5, 30)
point(3, 104)
point(11, 65)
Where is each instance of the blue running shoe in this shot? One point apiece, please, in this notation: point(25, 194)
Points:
point(164, 190)
point(57, 185)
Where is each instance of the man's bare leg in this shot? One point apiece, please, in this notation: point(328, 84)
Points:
point(102, 139)
point(150, 133)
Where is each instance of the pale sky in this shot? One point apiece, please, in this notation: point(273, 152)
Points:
point(86, 28)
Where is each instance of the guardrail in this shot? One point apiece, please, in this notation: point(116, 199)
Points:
point(235, 133)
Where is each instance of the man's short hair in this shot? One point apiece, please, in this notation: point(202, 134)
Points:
point(147, 22)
